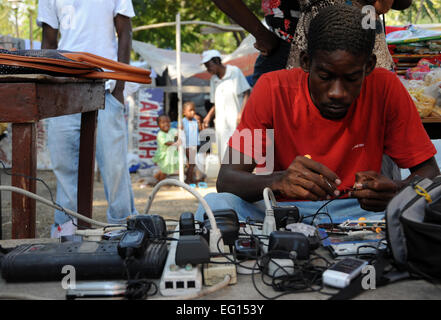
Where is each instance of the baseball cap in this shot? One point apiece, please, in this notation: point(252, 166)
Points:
point(210, 54)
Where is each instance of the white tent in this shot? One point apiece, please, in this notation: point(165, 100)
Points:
point(162, 59)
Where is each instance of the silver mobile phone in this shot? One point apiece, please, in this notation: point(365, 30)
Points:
point(97, 289)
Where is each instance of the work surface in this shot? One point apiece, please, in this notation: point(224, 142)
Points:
point(243, 290)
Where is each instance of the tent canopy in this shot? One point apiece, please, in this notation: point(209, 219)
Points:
point(243, 57)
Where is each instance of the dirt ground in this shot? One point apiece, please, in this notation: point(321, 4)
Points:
point(169, 202)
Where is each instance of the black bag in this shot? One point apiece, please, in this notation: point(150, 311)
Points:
point(413, 220)
point(413, 234)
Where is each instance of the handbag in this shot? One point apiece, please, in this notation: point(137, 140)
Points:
point(413, 220)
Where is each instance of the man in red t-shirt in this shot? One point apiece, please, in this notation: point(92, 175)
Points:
point(340, 112)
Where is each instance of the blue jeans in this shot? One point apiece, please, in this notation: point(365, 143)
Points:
point(111, 156)
point(340, 210)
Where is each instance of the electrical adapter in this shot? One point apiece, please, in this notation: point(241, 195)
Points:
point(132, 244)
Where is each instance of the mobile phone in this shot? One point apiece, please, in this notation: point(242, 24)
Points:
point(97, 289)
point(341, 273)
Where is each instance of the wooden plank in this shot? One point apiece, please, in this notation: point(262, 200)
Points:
point(86, 165)
point(58, 100)
point(18, 102)
point(44, 78)
point(24, 162)
point(29, 102)
point(432, 120)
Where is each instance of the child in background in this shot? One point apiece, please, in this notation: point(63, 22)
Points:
point(191, 130)
point(166, 156)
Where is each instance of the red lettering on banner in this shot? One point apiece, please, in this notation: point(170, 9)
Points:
point(146, 152)
point(146, 137)
point(149, 122)
point(148, 106)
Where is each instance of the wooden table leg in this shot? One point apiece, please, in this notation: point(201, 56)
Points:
point(24, 162)
point(86, 164)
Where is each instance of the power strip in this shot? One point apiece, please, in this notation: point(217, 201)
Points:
point(178, 281)
point(216, 272)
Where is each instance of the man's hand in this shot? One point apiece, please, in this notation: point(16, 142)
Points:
point(118, 92)
point(267, 42)
point(383, 6)
point(306, 179)
point(374, 191)
point(208, 117)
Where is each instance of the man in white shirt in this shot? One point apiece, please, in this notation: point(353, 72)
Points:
point(229, 91)
point(89, 26)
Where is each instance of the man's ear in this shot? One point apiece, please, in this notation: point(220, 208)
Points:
point(305, 61)
point(371, 63)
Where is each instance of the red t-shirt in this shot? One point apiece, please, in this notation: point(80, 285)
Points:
point(383, 119)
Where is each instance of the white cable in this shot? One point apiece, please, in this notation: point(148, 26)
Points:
point(268, 197)
point(186, 187)
point(215, 234)
point(51, 204)
point(269, 222)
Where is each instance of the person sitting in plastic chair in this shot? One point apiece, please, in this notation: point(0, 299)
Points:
point(318, 133)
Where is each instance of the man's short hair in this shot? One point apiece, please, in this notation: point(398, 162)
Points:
point(339, 27)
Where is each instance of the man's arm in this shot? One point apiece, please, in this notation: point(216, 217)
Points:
point(209, 116)
point(304, 179)
point(266, 41)
point(428, 169)
point(123, 26)
point(50, 37)
point(383, 6)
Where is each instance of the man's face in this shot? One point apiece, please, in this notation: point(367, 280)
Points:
point(211, 67)
point(335, 80)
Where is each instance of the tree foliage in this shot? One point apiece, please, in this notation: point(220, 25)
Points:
point(420, 12)
point(26, 14)
point(157, 11)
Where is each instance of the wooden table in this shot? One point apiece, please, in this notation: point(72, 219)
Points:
point(26, 99)
point(240, 293)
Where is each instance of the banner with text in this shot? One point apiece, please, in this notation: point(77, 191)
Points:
point(150, 105)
